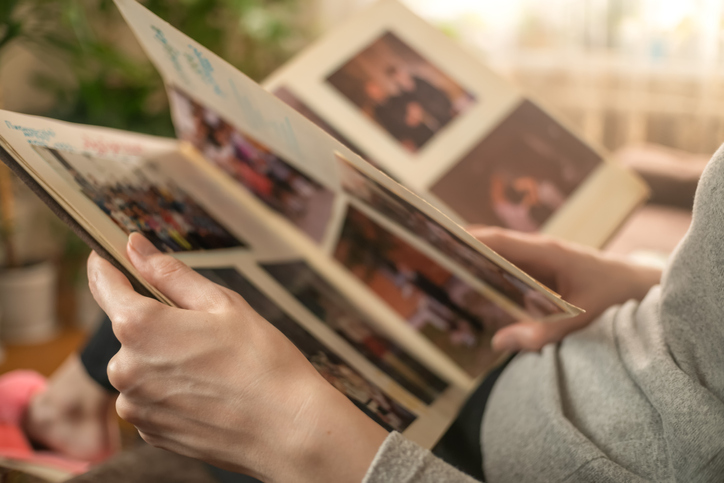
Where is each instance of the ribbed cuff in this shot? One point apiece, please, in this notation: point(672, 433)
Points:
point(401, 461)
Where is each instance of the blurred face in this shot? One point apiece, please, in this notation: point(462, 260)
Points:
point(375, 92)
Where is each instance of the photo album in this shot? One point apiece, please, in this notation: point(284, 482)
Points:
point(333, 200)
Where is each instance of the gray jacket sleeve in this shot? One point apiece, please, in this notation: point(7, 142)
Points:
point(401, 461)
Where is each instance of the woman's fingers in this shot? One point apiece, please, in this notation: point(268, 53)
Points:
point(187, 288)
point(532, 335)
point(134, 316)
point(112, 290)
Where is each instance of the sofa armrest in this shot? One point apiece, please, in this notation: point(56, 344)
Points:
point(671, 174)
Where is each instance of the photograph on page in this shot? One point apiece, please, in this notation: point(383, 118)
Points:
point(519, 174)
point(398, 89)
point(139, 197)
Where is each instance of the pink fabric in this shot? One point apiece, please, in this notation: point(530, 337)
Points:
point(16, 390)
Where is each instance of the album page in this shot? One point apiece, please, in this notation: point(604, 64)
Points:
point(393, 302)
point(408, 99)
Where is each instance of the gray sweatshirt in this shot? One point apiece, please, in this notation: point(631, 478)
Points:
point(636, 396)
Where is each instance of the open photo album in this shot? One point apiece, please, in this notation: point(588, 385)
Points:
point(333, 200)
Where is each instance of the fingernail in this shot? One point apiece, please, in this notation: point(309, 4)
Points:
point(505, 341)
point(141, 245)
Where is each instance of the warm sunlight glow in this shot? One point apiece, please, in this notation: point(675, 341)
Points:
point(687, 30)
point(667, 15)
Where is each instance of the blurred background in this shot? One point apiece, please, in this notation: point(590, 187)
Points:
point(642, 78)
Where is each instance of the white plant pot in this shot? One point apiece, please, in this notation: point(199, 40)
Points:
point(28, 304)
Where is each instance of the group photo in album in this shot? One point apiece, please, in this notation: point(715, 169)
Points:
point(355, 253)
point(406, 95)
point(138, 197)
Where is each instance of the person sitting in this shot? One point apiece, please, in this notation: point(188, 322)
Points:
point(631, 390)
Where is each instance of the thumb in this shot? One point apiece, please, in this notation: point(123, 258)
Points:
point(187, 288)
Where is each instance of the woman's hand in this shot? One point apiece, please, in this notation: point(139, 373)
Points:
point(215, 381)
point(584, 277)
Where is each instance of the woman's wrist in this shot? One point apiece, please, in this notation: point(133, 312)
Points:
point(334, 442)
point(647, 278)
point(640, 278)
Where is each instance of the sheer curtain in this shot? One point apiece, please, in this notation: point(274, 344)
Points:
point(625, 70)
